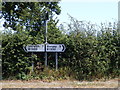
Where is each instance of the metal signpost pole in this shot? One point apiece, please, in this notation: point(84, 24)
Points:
point(45, 43)
point(56, 58)
point(32, 63)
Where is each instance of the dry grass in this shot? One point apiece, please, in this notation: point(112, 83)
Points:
point(60, 84)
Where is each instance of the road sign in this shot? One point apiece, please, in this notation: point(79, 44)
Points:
point(35, 48)
point(55, 48)
point(49, 48)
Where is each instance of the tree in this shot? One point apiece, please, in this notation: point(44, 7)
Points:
point(90, 55)
point(28, 14)
point(27, 19)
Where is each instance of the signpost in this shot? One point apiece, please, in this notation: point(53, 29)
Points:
point(46, 47)
point(55, 48)
point(49, 48)
point(34, 48)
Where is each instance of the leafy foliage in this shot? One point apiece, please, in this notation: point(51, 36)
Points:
point(89, 55)
point(28, 14)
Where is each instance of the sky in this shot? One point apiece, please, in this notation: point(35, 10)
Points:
point(95, 11)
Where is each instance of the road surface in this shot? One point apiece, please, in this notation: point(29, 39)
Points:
point(60, 84)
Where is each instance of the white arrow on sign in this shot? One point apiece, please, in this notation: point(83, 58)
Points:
point(35, 48)
point(41, 48)
point(55, 48)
